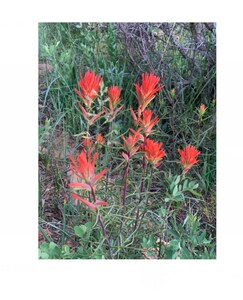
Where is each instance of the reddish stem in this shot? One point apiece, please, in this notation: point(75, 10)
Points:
point(125, 191)
point(142, 184)
point(103, 226)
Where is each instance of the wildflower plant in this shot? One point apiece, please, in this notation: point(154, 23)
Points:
point(136, 148)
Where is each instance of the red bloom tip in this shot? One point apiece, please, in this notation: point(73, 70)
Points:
point(114, 96)
point(89, 86)
point(87, 143)
point(202, 107)
point(147, 90)
point(153, 152)
point(131, 141)
point(84, 168)
point(188, 157)
point(146, 121)
point(100, 139)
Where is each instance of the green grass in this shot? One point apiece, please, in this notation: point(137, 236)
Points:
point(72, 49)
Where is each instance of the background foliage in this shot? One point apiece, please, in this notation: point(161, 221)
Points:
point(184, 56)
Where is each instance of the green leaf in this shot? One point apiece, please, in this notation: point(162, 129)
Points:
point(80, 230)
point(44, 247)
point(162, 212)
point(175, 190)
point(179, 197)
point(52, 246)
point(171, 188)
point(175, 244)
point(44, 255)
point(191, 184)
point(194, 193)
point(185, 254)
point(177, 179)
point(65, 249)
point(167, 199)
point(185, 184)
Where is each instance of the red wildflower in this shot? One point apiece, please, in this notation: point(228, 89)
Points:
point(92, 206)
point(146, 123)
point(89, 86)
point(130, 143)
point(202, 108)
point(114, 99)
point(146, 92)
point(153, 152)
point(87, 143)
point(100, 139)
point(85, 169)
point(188, 157)
point(114, 96)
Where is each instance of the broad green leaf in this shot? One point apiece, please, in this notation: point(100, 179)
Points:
point(52, 246)
point(177, 179)
point(185, 184)
point(162, 212)
point(44, 255)
point(65, 249)
point(80, 230)
point(175, 190)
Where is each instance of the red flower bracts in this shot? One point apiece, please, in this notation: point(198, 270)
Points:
point(114, 99)
point(147, 90)
point(89, 86)
point(188, 157)
point(114, 96)
point(130, 143)
point(153, 152)
point(84, 168)
point(92, 206)
point(145, 122)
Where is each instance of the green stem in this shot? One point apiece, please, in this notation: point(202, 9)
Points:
point(146, 203)
point(124, 193)
point(103, 226)
point(108, 158)
point(144, 168)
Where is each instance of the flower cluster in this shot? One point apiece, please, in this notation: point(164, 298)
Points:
point(84, 168)
point(188, 157)
point(137, 140)
point(147, 90)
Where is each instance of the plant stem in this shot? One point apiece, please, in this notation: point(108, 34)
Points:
point(142, 185)
point(148, 189)
point(108, 159)
point(103, 226)
point(124, 193)
point(106, 236)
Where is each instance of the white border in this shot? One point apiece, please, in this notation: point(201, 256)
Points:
point(23, 275)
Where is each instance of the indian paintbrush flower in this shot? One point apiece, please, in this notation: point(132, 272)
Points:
point(202, 110)
point(114, 98)
point(153, 152)
point(130, 143)
point(100, 139)
point(84, 168)
point(188, 157)
point(89, 85)
point(144, 122)
point(147, 90)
